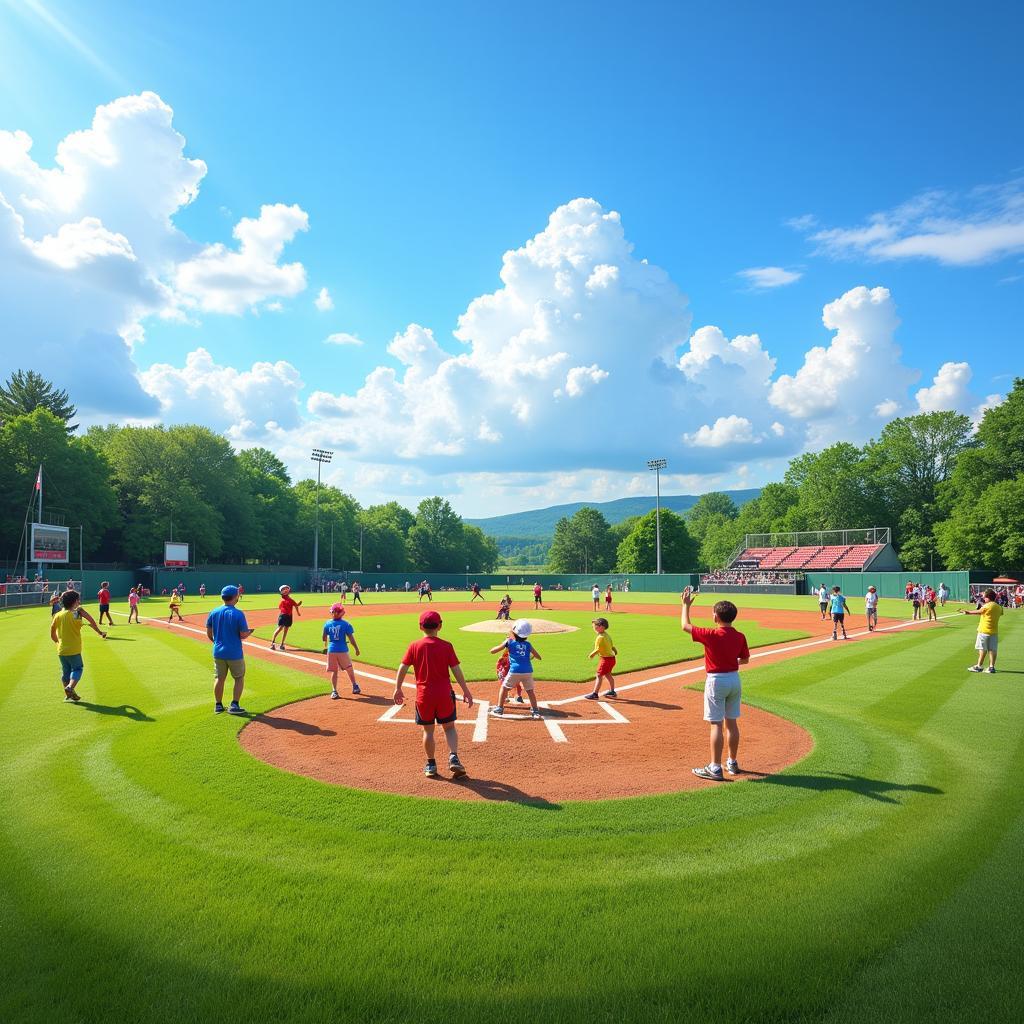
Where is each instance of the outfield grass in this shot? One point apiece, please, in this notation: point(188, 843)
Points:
point(153, 871)
point(642, 641)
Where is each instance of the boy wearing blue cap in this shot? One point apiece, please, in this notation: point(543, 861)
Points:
point(226, 627)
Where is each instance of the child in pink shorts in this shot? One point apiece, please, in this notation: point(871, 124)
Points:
point(337, 635)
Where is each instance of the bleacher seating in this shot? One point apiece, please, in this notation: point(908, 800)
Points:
point(857, 556)
point(828, 556)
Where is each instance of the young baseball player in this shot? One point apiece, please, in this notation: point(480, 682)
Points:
point(337, 635)
point(608, 599)
point(432, 659)
point(226, 628)
point(606, 651)
point(521, 654)
point(103, 597)
point(988, 631)
point(133, 604)
point(175, 606)
point(871, 607)
point(839, 609)
point(930, 597)
point(501, 668)
point(595, 595)
point(823, 601)
point(286, 607)
point(538, 596)
point(66, 633)
point(725, 649)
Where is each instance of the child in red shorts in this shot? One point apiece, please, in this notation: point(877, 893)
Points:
point(725, 649)
point(606, 651)
point(431, 659)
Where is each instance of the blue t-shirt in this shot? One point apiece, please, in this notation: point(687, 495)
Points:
point(227, 623)
point(837, 603)
point(519, 656)
point(337, 632)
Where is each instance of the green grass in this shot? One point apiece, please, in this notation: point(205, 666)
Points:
point(153, 871)
point(642, 641)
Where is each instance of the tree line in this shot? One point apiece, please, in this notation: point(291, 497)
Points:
point(952, 495)
point(132, 488)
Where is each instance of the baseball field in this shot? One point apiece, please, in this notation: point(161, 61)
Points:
point(158, 863)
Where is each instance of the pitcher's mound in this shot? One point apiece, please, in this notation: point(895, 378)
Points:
point(500, 626)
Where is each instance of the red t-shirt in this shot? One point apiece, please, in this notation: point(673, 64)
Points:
point(104, 596)
point(536, 591)
point(723, 647)
point(431, 658)
point(286, 605)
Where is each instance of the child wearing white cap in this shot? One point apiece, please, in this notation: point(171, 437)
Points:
point(520, 655)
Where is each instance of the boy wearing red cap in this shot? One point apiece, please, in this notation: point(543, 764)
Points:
point(431, 659)
point(286, 607)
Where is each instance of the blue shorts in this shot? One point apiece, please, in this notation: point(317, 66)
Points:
point(71, 668)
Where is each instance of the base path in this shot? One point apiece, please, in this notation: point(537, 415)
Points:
point(644, 742)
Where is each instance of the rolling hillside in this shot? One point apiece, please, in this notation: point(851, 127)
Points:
point(539, 524)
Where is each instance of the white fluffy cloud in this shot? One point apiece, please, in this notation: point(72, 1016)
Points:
point(342, 338)
point(835, 391)
point(245, 404)
point(222, 280)
point(726, 430)
point(763, 278)
point(949, 389)
point(89, 250)
point(983, 225)
point(323, 301)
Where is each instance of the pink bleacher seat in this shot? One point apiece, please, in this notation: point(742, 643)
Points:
point(827, 556)
point(858, 556)
point(774, 556)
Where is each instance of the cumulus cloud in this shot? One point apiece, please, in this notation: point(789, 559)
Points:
point(887, 408)
point(836, 388)
point(762, 278)
point(724, 431)
point(341, 338)
point(245, 404)
point(222, 280)
point(323, 301)
point(89, 250)
point(948, 390)
point(980, 226)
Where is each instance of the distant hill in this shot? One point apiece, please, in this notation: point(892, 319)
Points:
point(539, 524)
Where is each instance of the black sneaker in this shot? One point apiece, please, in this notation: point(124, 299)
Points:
point(591, 696)
point(355, 688)
point(430, 769)
point(218, 709)
point(611, 693)
point(234, 709)
point(456, 767)
point(498, 712)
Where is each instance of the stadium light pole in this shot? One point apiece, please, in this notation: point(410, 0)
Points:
point(657, 465)
point(319, 456)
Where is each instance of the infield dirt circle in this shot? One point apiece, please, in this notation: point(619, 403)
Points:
point(645, 741)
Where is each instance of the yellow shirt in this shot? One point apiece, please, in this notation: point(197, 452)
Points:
point(69, 632)
point(175, 600)
point(603, 645)
point(989, 621)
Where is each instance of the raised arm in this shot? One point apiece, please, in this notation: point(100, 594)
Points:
point(684, 619)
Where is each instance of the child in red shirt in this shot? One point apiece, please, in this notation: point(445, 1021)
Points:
point(725, 649)
point(431, 659)
point(285, 607)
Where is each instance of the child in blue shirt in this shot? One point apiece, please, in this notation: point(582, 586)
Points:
point(337, 635)
point(520, 670)
point(839, 608)
point(227, 628)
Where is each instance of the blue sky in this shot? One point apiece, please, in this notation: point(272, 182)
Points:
point(862, 159)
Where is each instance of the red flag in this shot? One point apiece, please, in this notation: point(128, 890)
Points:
point(39, 479)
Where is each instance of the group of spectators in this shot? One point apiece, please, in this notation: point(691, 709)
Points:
point(1008, 595)
point(748, 577)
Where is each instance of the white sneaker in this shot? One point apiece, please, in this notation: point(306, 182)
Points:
point(732, 767)
point(975, 668)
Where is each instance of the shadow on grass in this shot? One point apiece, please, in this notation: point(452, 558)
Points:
point(291, 725)
point(127, 639)
point(874, 789)
point(118, 711)
point(492, 789)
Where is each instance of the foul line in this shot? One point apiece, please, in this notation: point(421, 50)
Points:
point(553, 727)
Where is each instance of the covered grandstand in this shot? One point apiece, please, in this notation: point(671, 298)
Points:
point(778, 561)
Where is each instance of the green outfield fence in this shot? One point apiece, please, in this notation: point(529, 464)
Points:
point(893, 584)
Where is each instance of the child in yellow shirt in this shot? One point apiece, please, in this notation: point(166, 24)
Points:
point(605, 650)
point(66, 633)
point(988, 632)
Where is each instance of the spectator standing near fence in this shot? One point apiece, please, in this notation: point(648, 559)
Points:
point(871, 607)
point(823, 601)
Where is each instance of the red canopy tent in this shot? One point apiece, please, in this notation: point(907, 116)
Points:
point(1005, 579)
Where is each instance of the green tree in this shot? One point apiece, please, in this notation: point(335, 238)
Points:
point(987, 532)
point(436, 542)
point(338, 522)
point(638, 551)
point(480, 551)
point(76, 480)
point(26, 391)
point(722, 537)
point(712, 507)
point(836, 490)
point(583, 543)
point(275, 507)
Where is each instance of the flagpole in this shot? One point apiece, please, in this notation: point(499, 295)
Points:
point(39, 487)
